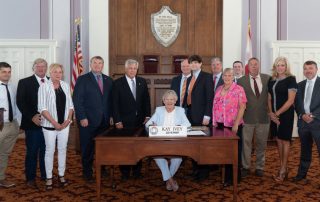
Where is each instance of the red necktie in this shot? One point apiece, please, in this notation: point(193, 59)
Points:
point(42, 80)
point(214, 82)
point(256, 89)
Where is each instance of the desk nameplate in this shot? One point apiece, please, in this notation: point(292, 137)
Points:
point(167, 131)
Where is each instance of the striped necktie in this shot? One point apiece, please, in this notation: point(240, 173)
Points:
point(183, 90)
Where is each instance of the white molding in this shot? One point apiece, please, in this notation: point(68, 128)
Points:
point(20, 54)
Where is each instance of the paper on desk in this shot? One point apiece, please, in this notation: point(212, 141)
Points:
point(195, 132)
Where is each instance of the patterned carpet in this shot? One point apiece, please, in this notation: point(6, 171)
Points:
point(151, 188)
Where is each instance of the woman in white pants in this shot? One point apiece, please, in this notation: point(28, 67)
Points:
point(169, 115)
point(56, 107)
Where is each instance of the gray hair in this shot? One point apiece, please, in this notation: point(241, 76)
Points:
point(216, 58)
point(170, 93)
point(39, 60)
point(130, 62)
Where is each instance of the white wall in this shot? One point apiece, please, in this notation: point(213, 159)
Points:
point(303, 20)
point(232, 31)
point(99, 31)
point(267, 33)
point(59, 29)
point(20, 19)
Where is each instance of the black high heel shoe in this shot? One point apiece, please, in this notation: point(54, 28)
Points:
point(62, 181)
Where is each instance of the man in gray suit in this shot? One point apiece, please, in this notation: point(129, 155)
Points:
point(255, 117)
point(307, 105)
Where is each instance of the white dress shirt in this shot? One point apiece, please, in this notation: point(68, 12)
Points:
point(39, 79)
point(129, 80)
point(4, 102)
point(259, 83)
point(47, 101)
point(217, 79)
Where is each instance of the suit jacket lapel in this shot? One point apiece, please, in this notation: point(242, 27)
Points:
point(35, 82)
point(128, 89)
point(94, 81)
point(138, 90)
point(314, 96)
point(197, 80)
point(249, 86)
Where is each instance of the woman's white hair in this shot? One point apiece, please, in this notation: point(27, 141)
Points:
point(169, 93)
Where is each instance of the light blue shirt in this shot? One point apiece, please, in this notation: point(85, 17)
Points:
point(180, 117)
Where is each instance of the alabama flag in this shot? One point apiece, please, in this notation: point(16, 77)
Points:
point(248, 47)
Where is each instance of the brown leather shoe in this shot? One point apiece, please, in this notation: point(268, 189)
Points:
point(32, 184)
point(6, 184)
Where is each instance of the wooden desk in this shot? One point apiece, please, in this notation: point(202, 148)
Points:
point(128, 146)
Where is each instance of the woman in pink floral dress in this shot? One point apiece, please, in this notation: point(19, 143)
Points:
point(228, 107)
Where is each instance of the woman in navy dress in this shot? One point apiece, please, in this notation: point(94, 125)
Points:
point(282, 91)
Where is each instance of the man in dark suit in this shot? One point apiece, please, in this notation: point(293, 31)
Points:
point(216, 68)
point(181, 83)
point(199, 100)
point(307, 105)
point(27, 102)
point(131, 106)
point(92, 98)
point(200, 94)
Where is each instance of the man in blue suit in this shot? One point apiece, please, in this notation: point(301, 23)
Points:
point(92, 98)
point(307, 105)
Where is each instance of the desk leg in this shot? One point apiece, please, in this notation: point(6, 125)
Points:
point(235, 181)
point(235, 171)
point(98, 179)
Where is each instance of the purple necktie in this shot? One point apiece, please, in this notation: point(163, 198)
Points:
point(100, 83)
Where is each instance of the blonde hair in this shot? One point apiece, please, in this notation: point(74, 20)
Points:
point(55, 66)
point(169, 93)
point(228, 69)
point(276, 62)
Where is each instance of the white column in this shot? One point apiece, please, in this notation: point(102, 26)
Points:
point(232, 31)
point(59, 29)
point(99, 31)
point(266, 32)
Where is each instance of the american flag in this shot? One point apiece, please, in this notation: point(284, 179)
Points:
point(248, 48)
point(77, 68)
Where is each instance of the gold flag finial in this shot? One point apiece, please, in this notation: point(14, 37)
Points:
point(77, 21)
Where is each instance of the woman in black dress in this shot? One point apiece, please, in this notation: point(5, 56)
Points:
point(282, 91)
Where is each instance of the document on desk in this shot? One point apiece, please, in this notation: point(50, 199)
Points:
point(195, 132)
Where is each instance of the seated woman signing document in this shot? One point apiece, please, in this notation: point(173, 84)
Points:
point(169, 115)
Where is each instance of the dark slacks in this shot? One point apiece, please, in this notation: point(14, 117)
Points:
point(307, 135)
point(229, 168)
point(136, 169)
point(87, 145)
point(36, 148)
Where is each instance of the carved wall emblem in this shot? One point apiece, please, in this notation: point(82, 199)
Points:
point(165, 26)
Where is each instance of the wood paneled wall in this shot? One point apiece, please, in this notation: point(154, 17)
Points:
point(131, 35)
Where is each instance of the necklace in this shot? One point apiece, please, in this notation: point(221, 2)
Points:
point(226, 89)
